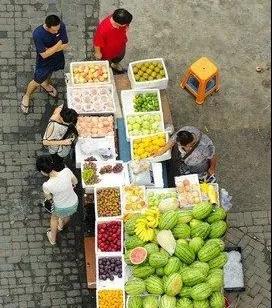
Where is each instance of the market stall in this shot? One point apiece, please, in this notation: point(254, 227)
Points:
point(153, 246)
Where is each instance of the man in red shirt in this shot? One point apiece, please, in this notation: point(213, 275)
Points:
point(111, 37)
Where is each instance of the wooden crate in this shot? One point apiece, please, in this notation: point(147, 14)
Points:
point(89, 244)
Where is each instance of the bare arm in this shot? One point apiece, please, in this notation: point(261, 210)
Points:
point(52, 50)
point(213, 163)
point(167, 147)
point(97, 52)
point(57, 142)
point(74, 180)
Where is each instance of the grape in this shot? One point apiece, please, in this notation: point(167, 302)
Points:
point(109, 268)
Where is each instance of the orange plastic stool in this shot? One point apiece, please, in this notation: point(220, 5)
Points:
point(201, 79)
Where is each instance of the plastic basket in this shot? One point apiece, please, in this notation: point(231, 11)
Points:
point(88, 99)
point(108, 253)
point(127, 97)
point(74, 64)
point(165, 156)
point(159, 84)
point(161, 123)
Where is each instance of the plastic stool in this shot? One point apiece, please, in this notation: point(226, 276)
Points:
point(201, 79)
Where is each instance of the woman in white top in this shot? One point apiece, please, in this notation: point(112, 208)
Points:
point(60, 189)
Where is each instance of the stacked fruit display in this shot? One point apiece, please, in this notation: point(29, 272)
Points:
point(183, 261)
point(109, 236)
point(144, 124)
point(108, 202)
point(165, 198)
point(147, 101)
point(134, 198)
point(95, 126)
point(148, 71)
point(91, 99)
point(146, 147)
point(89, 72)
point(188, 189)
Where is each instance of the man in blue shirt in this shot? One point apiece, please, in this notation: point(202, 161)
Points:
point(50, 41)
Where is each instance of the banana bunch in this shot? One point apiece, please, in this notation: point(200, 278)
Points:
point(204, 188)
point(143, 231)
point(209, 190)
point(144, 227)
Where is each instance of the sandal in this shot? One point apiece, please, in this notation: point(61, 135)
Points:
point(48, 233)
point(24, 107)
point(53, 92)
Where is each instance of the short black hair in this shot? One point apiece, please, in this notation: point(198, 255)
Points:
point(122, 17)
point(52, 21)
point(44, 163)
point(184, 137)
point(69, 115)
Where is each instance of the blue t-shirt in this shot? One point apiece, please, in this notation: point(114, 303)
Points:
point(44, 40)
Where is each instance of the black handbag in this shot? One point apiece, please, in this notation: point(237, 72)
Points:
point(48, 205)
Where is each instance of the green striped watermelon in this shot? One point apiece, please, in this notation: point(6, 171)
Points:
point(185, 253)
point(185, 303)
point(135, 286)
point(218, 229)
point(154, 285)
point(192, 276)
point(202, 210)
point(200, 230)
point(173, 284)
point(219, 261)
point(181, 231)
point(209, 251)
point(217, 214)
point(217, 300)
point(168, 220)
point(201, 291)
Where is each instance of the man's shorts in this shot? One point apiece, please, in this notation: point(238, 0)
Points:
point(44, 72)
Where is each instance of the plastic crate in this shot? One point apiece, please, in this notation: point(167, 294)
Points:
point(161, 123)
point(108, 253)
point(165, 156)
point(127, 97)
point(159, 84)
point(88, 99)
point(121, 204)
point(74, 64)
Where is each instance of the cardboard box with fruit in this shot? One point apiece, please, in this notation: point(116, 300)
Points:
point(91, 72)
point(149, 73)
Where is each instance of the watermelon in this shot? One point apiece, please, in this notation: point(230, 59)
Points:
point(200, 230)
point(150, 301)
point(135, 302)
point(151, 248)
point(133, 242)
point(158, 259)
point(201, 291)
point(195, 222)
point(163, 251)
point(173, 284)
point(192, 276)
point(185, 217)
point(185, 292)
point(185, 253)
point(138, 255)
point(168, 220)
point(181, 231)
point(130, 224)
point(185, 303)
point(204, 267)
point(167, 302)
point(217, 300)
point(154, 285)
point(202, 304)
point(143, 271)
point(172, 266)
point(127, 257)
point(218, 271)
point(135, 286)
point(218, 241)
point(196, 243)
point(202, 210)
point(219, 261)
point(217, 214)
point(209, 251)
point(215, 281)
point(160, 271)
point(218, 229)
point(182, 241)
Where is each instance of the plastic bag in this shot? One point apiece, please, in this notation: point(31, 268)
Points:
point(225, 199)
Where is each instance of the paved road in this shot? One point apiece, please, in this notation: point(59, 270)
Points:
point(235, 35)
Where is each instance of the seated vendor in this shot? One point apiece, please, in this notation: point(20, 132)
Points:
point(191, 152)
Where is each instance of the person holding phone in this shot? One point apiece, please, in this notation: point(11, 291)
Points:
point(50, 41)
point(59, 188)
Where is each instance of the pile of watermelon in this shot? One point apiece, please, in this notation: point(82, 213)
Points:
point(188, 276)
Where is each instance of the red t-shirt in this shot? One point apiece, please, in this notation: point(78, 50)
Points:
point(112, 41)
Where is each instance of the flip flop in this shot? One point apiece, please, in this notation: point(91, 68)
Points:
point(53, 93)
point(118, 72)
point(48, 233)
point(23, 107)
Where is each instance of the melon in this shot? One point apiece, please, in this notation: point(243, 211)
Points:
point(138, 255)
